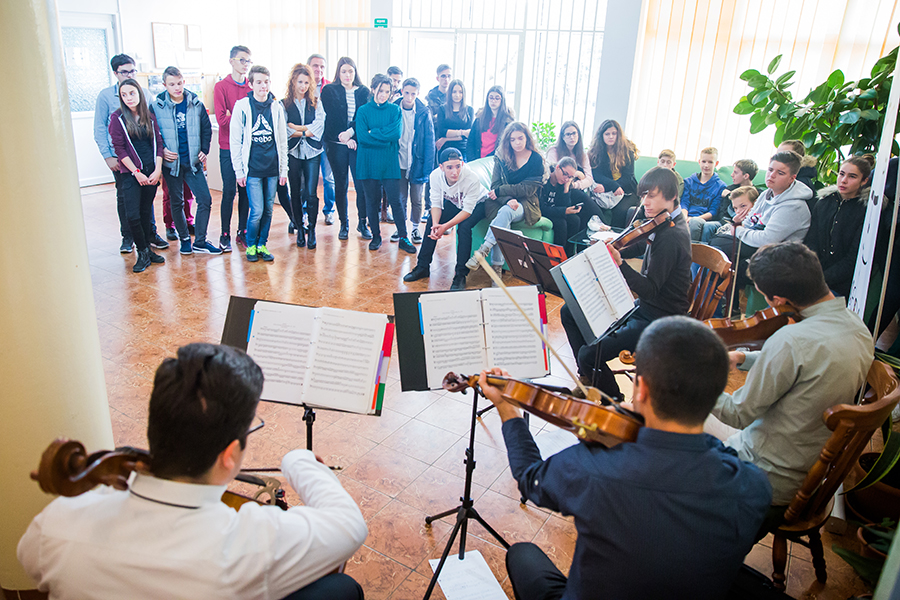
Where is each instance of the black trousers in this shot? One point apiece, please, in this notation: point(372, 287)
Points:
point(303, 178)
point(391, 188)
point(565, 227)
point(532, 574)
point(463, 236)
point(138, 204)
point(336, 586)
point(590, 356)
point(229, 188)
point(343, 164)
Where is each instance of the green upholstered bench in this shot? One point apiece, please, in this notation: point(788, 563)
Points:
point(542, 230)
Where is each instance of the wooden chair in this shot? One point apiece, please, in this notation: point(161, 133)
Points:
point(852, 428)
point(711, 281)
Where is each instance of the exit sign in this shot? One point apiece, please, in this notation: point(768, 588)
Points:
point(381, 23)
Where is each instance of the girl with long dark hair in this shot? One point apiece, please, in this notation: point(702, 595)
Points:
point(612, 157)
point(305, 123)
point(454, 119)
point(488, 125)
point(515, 188)
point(571, 143)
point(340, 100)
point(139, 147)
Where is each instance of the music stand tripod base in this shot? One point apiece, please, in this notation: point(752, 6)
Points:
point(464, 511)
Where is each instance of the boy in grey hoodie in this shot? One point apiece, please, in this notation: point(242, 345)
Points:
point(781, 214)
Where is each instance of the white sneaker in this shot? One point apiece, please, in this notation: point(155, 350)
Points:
point(472, 264)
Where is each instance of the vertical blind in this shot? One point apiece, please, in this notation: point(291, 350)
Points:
point(691, 52)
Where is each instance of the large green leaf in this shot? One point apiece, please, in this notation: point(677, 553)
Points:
point(774, 64)
point(868, 568)
point(748, 74)
point(836, 79)
point(809, 138)
point(781, 80)
point(871, 114)
point(758, 81)
point(869, 94)
point(757, 123)
point(851, 116)
point(886, 460)
point(779, 135)
point(744, 108)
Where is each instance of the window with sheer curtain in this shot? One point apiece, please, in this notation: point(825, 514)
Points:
point(691, 53)
point(284, 32)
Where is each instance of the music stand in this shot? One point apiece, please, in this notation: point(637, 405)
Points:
point(464, 511)
point(529, 259)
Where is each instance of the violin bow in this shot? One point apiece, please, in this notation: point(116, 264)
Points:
point(487, 269)
point(736, 256)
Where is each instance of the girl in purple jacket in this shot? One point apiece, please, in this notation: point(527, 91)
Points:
point(139, 148)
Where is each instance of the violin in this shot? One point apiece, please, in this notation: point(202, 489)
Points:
point(590, 421)
point(754, 330)
point(639, 231)
point(66, 469)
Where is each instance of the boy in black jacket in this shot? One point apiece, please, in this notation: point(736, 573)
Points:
point(661, 286)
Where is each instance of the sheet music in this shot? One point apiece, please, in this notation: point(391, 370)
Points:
point(344, 363)
point(583, 282)
point(511, 342)
point(468, 579)
point(452, 325)
point(611, 280)
point(279, 342)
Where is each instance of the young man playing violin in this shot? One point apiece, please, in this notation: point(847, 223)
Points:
point(170, 536)
point(670, 515)
point(802, 370)
point(661, 286)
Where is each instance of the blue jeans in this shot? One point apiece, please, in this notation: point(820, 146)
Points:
point(709, 231)
point(261, 194)
point(506, 217)
point(197, 183)
point(328, 185)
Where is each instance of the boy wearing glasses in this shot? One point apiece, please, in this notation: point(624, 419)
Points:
point(108, 103)
point(169, 535)
point(225, 93)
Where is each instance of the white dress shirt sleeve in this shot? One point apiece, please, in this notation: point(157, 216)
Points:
point(315, 538)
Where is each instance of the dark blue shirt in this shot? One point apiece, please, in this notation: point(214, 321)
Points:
point(181, 126)
point(669, 516)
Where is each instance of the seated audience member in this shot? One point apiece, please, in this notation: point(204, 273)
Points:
point(666, 160)
point(454, 120)
point(801, 370)
point(557, 204)
point(571, 144)
point(456, 192)
point(671, 515)
point(416, 154)
point(702, 193)
point(488, 125)
point(170, 536)
point(837, 220)
point(780, 215)
point(515, 189)
point(742, 174)
point(612, 157)
point(661, 286)
point(741, 201)
point(807, 173)
point(437, 96)
point(396, 76)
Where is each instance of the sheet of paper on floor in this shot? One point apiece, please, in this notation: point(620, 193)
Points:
point(468, 579)
point(554, 441)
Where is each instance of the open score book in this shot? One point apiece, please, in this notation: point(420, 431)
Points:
point(323, 357)
point(594, 290)
point(466, 332)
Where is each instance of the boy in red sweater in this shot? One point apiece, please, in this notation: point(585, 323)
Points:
point(226, 92)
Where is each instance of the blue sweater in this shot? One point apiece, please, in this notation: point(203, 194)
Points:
point(378, 129)
point(701, 198)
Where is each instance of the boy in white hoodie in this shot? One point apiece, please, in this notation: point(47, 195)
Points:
point(258, 139)
point(781, 214)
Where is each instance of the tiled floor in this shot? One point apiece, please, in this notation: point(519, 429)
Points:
point(401, 466)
